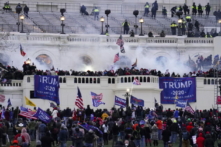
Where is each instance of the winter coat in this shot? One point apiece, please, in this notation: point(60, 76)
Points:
point(200, 140)
point(166, 135)
point(154, 133)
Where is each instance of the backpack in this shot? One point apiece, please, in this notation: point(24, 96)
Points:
point(41, 127)
point(185, 135)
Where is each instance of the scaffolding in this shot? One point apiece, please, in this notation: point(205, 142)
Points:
point(217, 88)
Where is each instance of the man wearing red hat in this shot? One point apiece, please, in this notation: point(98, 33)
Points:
point(15, 144)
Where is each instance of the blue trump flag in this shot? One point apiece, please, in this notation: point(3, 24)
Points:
point(97, 99)
point(120, 102)
point(88, 127)
point(136, 101)
point(47, 87)
point(42, 115)
point(183, 88)
point(181, 103)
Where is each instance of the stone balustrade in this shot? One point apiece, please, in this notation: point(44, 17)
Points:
point(72, 38)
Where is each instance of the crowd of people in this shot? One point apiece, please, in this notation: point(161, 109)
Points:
point(8, 73)
point(123, 127)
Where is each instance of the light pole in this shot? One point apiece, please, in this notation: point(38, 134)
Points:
point(62, 24)
point(28, 61)
point(219, 24)
point(107, 12)
point(135, 13)
point(22, 17)
point(141, 29)
point(180, 21)
point(102, 22)
point(127, 95)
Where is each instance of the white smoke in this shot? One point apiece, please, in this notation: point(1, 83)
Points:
point(102, 59)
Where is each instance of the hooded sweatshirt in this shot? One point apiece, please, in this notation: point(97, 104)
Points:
point(25, 135)
point(200, 140)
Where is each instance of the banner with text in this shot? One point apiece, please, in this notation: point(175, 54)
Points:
point(181, 103)
point(42, 115)
point(177, 89)
point(120, 102)
point(47, 87)
point(136, 101)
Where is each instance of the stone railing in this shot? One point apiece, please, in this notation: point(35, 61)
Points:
point(72, 38)
point(198, 40)
point(13, 83)
point(211, 81)
point(90, 80)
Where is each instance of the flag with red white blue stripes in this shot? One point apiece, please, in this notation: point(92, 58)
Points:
point(136, 82)
point(79, 101)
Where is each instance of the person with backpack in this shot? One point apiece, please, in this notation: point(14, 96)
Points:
point(63, 136)
point(41, 130)
point(89, 138)
point(137, 136)
point(78, 137)
point(185, 138)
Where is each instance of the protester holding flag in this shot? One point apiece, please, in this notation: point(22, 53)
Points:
point(120, 42)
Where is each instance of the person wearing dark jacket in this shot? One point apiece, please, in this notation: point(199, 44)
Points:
point(186, 9)
point(89, 138)
point(126, 26)
point(26, 10)
point(78, 137)
point(166, 136)
point(47, 140)
point(208, 7)
point(197, 25)
point(83, 10)
point(154, 9)
point(209, 142)
point(174, 128)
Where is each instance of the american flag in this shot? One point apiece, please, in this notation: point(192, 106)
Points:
point(189, 109)
point(120, 42)
point(2, 98)
point(28, 114)
point(79, 101)
point(135, 64)
point(22, 51)
point(136, 82)
point(116, 57)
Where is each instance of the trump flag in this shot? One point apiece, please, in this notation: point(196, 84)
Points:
point(42, 115)
point(47, 87)
point(136, 101)
point(174, 88)
point(97, 99)
point(120, 102)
